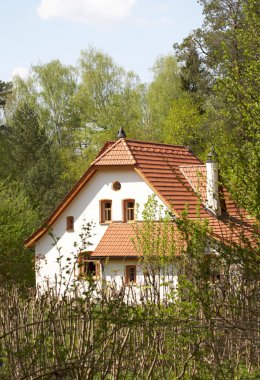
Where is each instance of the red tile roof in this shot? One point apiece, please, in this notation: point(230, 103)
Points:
point(117, 154)
point(176, 175)
point(196, 175)
point(116, 242)
point(133, 239)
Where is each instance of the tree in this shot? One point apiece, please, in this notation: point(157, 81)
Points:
point(17, 220)
point(32, 159)
point(196, 77)
point(5, 88)
point(185, 125)
point(108, 98)
point(49, 90)
point(228, 47)
point(163, 90)
point(238, 98)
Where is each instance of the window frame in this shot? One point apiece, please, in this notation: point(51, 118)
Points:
point(103, 219)
point(127, 274)
point(116, 186)
point(70, 223)
point(82, 274)
point(125, 210)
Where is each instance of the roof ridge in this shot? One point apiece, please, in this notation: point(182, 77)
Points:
point(192, 166)
point(157, 143)
point(129, 150)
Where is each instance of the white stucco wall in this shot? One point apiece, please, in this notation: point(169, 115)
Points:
point(54, 255)
point(166, 281)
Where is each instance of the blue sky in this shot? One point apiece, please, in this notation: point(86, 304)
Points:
point(133, 32)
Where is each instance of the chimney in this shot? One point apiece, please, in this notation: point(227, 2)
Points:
point(212, 200)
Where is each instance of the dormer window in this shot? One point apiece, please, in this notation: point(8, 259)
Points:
point(70, 223)
point(128, 210)
point(105, 211)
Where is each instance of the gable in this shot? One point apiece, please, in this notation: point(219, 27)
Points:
point(85, 204)
point(117, 154)
point(30, 241)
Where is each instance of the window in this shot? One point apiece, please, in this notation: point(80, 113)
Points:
point(70, 223)
point(87, 267)
point(128, 210)
point(130, 274)
point(116, 186)
point(105, 211)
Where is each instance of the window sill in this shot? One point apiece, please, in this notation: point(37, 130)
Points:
point(105, 223)
point(85, 278)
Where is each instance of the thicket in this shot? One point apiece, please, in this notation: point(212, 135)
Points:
point(206, 328)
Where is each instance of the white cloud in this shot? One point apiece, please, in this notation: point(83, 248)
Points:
point(90, 11)
point(21, 72)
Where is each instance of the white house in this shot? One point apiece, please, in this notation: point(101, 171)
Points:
point(126, 173)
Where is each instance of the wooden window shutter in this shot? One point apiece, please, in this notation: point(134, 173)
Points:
point(98, 268)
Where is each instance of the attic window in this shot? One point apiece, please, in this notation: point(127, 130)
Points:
point(105, 211)
point(128, 210)
point(116, 186)
point(70, 223)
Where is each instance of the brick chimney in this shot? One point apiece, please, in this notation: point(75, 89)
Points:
point(212, 200)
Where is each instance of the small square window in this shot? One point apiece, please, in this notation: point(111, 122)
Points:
point(70, 223)
point(130, 274)
point(105, 211)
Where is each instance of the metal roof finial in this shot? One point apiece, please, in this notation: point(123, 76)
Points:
point(121, 134)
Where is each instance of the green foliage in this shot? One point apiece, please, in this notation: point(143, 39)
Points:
point(108, 98)
point(49, 90)
point(5, 89)
point(17, 219)
point(185, 125)
point(221, 71)
point(238, 99)
point(196, 78)
point(33, 160)
point(163, 90)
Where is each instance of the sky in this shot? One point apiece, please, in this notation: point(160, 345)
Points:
point(133, 32)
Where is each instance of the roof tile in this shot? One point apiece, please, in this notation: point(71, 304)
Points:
point(117, 154)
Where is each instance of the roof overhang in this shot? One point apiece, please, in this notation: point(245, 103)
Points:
point(32, 239)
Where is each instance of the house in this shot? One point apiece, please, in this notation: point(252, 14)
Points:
point(125, 174)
